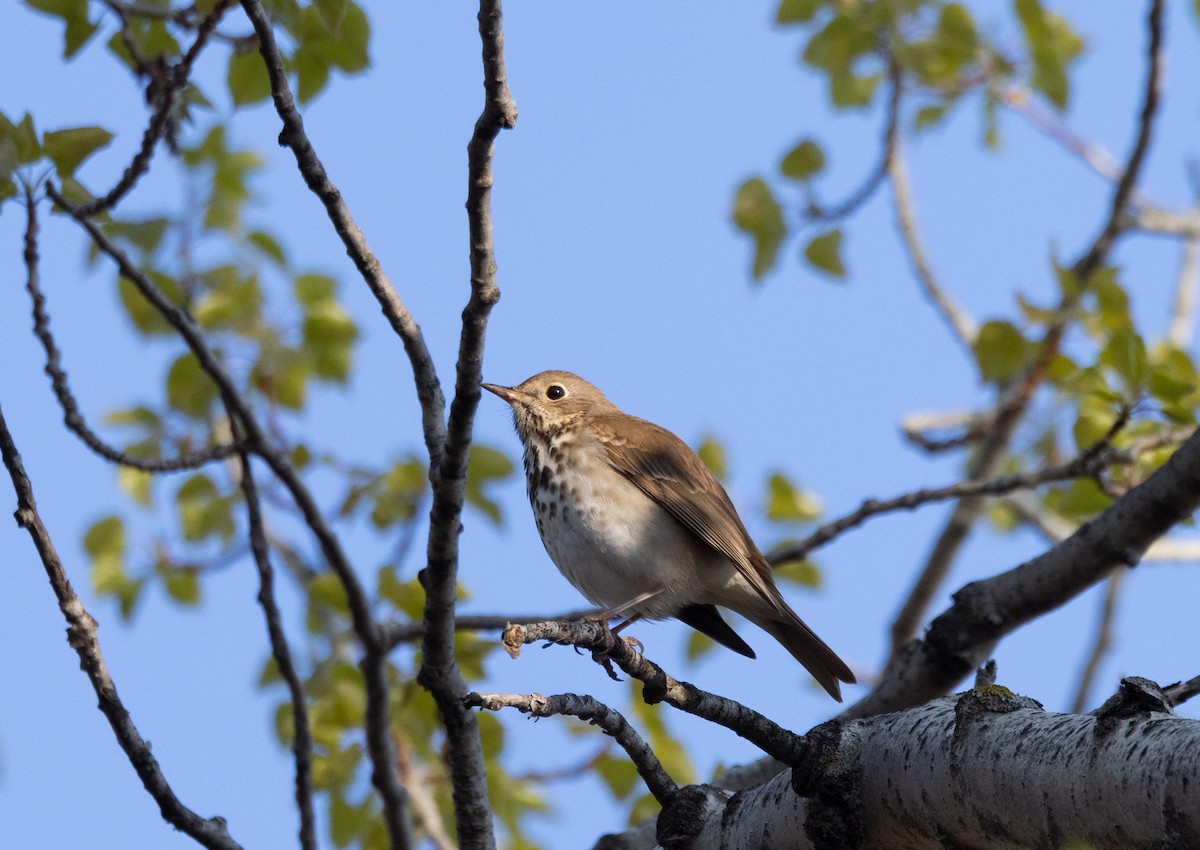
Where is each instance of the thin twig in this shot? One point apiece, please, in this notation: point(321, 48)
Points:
point(1102, 643)
point(1183, 310)
point(764, 733)
point(1181, 692)
point(395, 634)
point(960, 324)
point(891, 124)
point(281, 652)
point(81, 634)
point(72, 417)
point(165, 95)
point(422, 788)
point(1084, 465)
point(429, 391)
point(610, 721)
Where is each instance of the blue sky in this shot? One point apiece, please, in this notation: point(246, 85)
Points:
point(616, 260)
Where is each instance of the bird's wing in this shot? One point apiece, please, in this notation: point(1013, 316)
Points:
point(664, 468)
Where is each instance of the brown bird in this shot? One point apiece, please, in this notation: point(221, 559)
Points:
point(637, 523)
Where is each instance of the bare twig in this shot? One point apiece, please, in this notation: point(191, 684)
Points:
point(1087, 464)
point(597, 713)
point(1183, 310)
point(960, 324)
point(764, 733)
point(891, 124)
point(429, 391)
point(1102, 643)
point(81, 634)
point(281, 652)
point(972, 427)
point(1181, 692)
point(72, 417)
point(421, 795)
point(395, 634)
point(1171, 223)
point(164, 95)
point(439, 671)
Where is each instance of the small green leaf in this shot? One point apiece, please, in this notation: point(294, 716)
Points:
point(824, 252)
point(182, 585)
point(1053, 45)
point(69, 148)
point(326, 590)
point(796, 11)
point(203, 512)
point(788, 503)
point(313, 290)
point(617, 773)
point(105, 544)
point(803, 161)
point(712, 453)
point(136, 483)
point(804, 573)
point(21, 142)
point(484, 466)
point(1001, 351)
point(328, 334)
point(189, 388)
point(74, 14)
point(1125, 354)
point(756, 212)
point(408, 596)
point(269, 245)
point(698, 645)
point(929, 116)
point(1093, 421)
point(247, 78)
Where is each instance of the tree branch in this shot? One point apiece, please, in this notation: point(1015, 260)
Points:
point(395, 634)
point(985, 611)
point(764, 733)
point(1183, 309)
point(611, 722)
point(281, 652)
point(81, 634)
point(378, 726)
point(429, 390)
point(72, 417)
point(439, 671)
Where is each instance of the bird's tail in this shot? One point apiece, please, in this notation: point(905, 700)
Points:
point(804, 645)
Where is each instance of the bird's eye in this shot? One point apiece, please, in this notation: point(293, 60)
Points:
point(554, 392)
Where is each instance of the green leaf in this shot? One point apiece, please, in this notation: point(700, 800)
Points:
point(756, 212)
point(804, 573)
point(142, 313)
point(1125, 354)
point(1053, 45)
point(269, 245)
point(788, 503)
point(69, 148)
point(712, 453)
point(104, 542)
point(189, 388)
point(803, 161)
point(328, 334)
point(21, 142)
point(203, 511)
point(929, 116)
point(247, 78)
point(314, 290)
point(484, 466)
point(1093, 421)
point(824, 252)
point(1001, 351)
point(327, 591)
point(233, 300)
point(74, 14)
point(312, 74)
point(182, 585)
point(331, 12)
point(796, 11)
point(408, 597)
point(397, 493)
point(698, 645)
point(136, 483)
point(618, 773)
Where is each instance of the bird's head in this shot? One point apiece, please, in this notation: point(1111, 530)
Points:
point(551, 402)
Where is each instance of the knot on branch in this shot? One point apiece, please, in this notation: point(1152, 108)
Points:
point(828, 774)
point(686, 815)
point(1136, 697)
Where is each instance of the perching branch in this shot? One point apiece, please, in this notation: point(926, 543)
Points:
point(395, 634)
point(81, 634)
point(429, 390)
point(439, 671)
point(610, 721)
point(72, 417)
point(764, 733)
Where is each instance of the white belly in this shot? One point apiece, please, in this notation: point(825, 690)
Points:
point(615, 545)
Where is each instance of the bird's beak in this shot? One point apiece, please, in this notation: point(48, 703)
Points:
point(507, 393)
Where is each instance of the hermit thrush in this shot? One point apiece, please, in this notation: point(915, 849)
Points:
point(636, 522)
